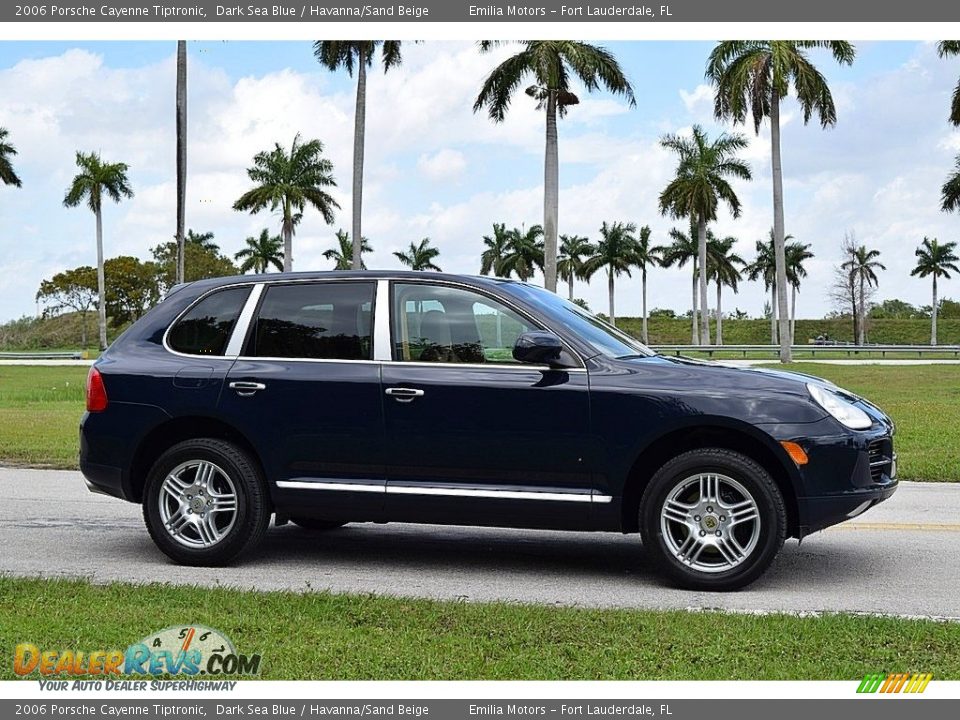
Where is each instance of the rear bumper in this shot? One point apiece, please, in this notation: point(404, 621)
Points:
point(103, 479)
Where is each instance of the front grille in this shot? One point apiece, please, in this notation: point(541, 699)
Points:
point(881, 458)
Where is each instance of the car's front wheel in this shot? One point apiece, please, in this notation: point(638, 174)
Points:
point(205, 502)
point(712, 519)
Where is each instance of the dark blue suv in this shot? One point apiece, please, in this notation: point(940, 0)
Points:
point(328, 398)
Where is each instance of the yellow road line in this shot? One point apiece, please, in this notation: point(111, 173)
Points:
point(918, 527)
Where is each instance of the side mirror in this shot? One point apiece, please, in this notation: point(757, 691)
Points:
point(538, 348)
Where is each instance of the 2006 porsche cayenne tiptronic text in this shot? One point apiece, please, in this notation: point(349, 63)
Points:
point(330, 398)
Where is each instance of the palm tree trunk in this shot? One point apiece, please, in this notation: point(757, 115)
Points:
point(613, 315)
point(933, 314)
point(863, 314)
point(101, 284)
point(719, 315)
point(181, 154)
point(778, 231)
point(287, 232)
point(695, 332)
point(793, 315)
point(773, 314)
point(643, 286)
point(570, 287)
point(702, 253)
point(551, 199)
point(359, 130)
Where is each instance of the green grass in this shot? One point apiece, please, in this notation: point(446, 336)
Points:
point(368, 637)
point(40, 408)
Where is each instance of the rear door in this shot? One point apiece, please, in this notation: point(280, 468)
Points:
point(306, 391)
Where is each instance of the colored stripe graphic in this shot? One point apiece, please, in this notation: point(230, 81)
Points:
point(894, 683)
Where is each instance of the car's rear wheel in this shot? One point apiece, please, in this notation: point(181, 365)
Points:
point(712, 519)
point(205, 502)
point(316, 524)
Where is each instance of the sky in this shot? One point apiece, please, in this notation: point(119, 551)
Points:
point(435, 169)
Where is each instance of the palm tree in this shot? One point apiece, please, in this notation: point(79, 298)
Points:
point(723, 267)
point(861, 268)
point(181, 109)
point(574, 251)
point(289, 181)
point(524, 253)
point(951, 190)
point(946, 48)
point(342, 255)
point(260, 253)
point(491, 259)
point(752, 77)
point(795, 254)
point(617, 252)
point(202, 240)
point(552, 64)
point(644, 256)
point(420, 256)
point(935, 260)
point(7, 174)
point(764, 267)
point(95, 180)
point(699, 187)
point(347, 54)
point(683, 248)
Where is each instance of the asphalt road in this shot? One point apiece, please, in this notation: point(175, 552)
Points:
point(902, 558)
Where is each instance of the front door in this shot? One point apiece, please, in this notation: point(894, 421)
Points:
point(472, 436)
point(307, 391)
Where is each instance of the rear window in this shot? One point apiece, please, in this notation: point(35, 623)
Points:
point(322, 321)
point(206, 328)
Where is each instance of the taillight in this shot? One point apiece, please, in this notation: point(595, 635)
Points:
point(96, 392)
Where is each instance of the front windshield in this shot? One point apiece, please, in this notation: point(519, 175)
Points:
point(602, 336)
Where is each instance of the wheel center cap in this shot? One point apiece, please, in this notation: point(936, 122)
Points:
point(197, 504)
point(710, 523)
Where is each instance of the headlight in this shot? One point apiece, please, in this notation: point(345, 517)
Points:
point(846, 413)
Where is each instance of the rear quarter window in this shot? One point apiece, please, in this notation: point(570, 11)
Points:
point(205, 328)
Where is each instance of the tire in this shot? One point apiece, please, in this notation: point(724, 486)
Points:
point(706, 538)
point(197, 477)
point(316, 524)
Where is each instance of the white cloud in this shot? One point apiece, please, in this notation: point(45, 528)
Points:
point(444, 164)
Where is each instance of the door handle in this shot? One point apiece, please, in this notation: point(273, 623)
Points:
point(404, 395)
point(245, 388)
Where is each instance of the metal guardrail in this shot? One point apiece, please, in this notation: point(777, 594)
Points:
point(40, 355)
point(812, 350)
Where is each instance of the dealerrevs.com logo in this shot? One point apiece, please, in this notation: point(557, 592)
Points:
point(895, 683)
point(190, 650)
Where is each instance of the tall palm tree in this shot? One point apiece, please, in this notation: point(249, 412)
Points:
point(289, 181)
point(420, 256)
point(7, 150)
point(699, 187)
point(200, 239)
point(524, 254)
point(574, 251)
point(795, 254)
point(181, 103)
point(617, 252)
point(751, 78)
point(552, 65)
point(342, 254)
point(95, 180)
point(359, 54)
point(723, 267)
point(683, 248)
point(645, 256)
point(947, 48)
point(260, 253)
point(951, 190)
point(862, 269)
point(764, 267)
point(935, 260)
point(491, 259)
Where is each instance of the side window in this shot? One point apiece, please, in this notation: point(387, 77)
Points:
point(323, 321)
point(206, 327)
point(435, 323)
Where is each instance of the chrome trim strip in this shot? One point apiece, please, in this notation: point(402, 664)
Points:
point(240, 327)
point(602, 499)
point(324, 485)
point(381, 323)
